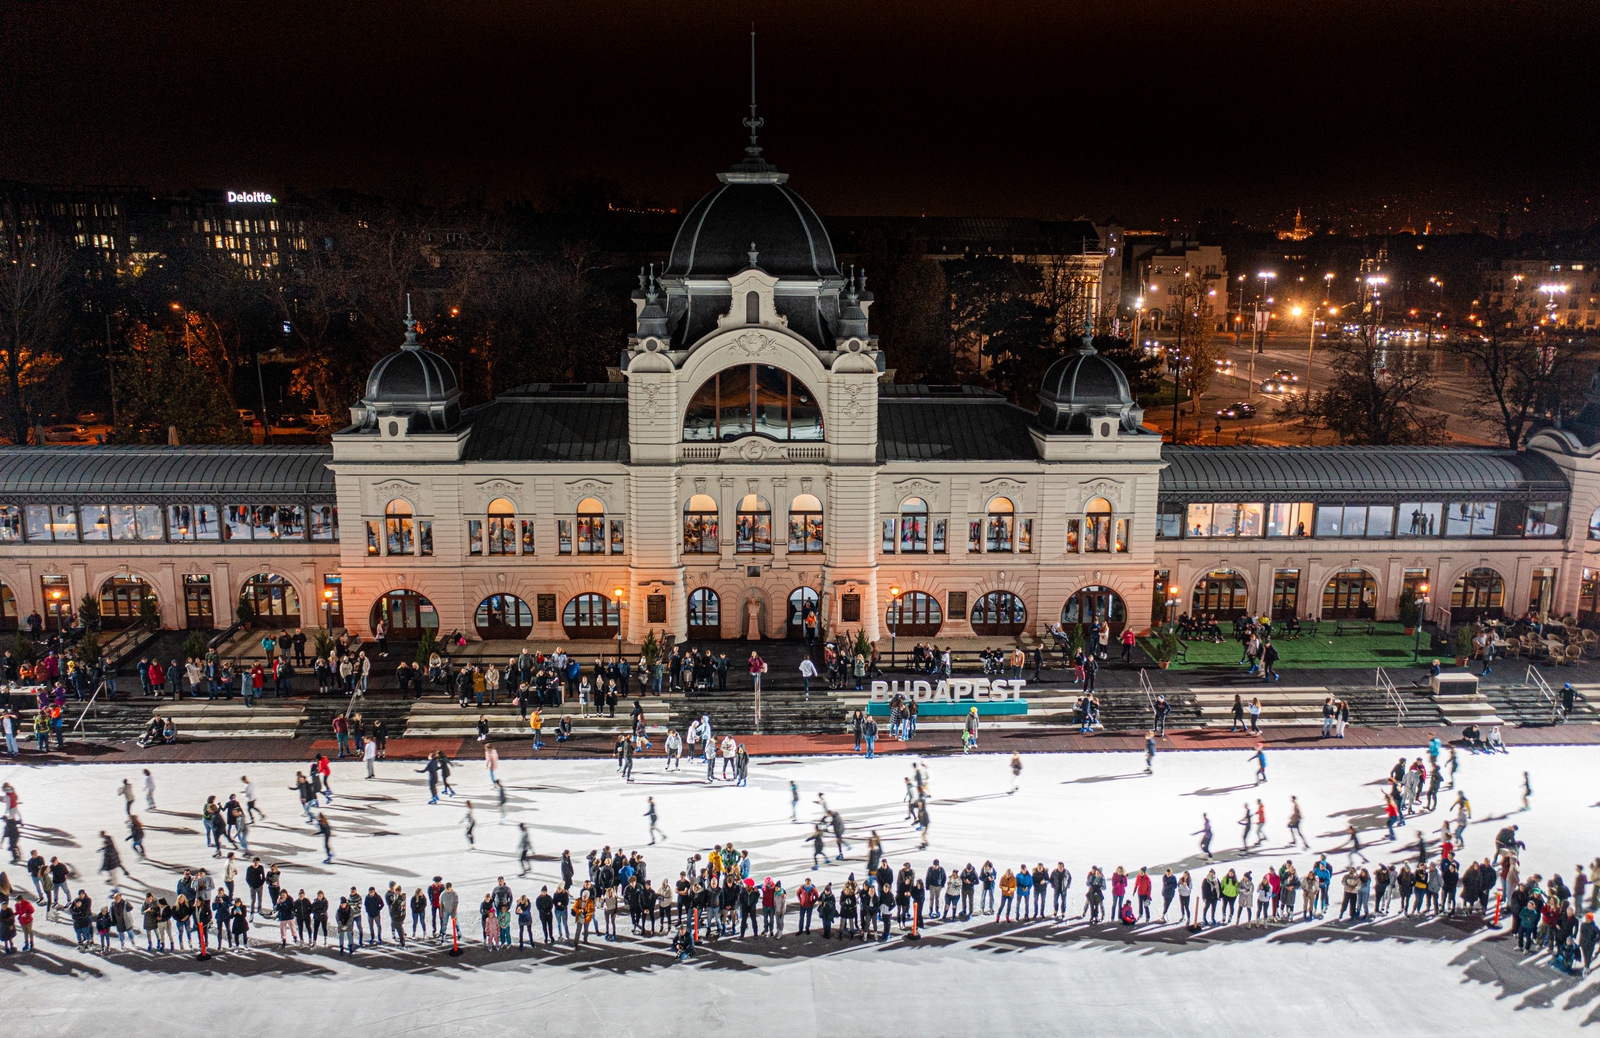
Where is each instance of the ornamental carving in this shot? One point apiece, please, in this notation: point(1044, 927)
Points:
point(1103, 488)
point(805, 484)
point(753, 344)
point(396, 487)
point(852, 406)
point(1008, 487)
point(915, 488)
point(587, 488)
point(699, 484)
point(753, 450)
point(490, 489)
point(649, 407)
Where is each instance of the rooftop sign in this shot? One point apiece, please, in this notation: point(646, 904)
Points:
point(251, 196)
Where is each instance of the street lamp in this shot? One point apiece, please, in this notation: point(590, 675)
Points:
point(1256, 336)
point(894, 611)
point(1422, 601)
point(55, 607)
point(327, 610)
point(616, 595)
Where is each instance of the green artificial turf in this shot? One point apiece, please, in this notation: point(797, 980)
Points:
point(1389, 647)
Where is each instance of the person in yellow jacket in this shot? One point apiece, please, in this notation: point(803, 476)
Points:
point(582, 914)
point(536, 722)
point(1008, 893)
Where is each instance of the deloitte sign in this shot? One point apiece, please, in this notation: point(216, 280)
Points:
point(235, 197)
point(953, 696)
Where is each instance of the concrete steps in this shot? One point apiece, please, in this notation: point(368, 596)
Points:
point(206, 719)
point(444, 719)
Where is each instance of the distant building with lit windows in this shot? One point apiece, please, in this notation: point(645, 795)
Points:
point(1562, 291)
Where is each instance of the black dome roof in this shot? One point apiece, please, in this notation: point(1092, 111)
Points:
point(1085, 378)
point(716, 237)
point(411, 376)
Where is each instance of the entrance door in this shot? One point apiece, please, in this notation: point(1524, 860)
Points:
point(802, 606)
point(1351, 595)
point(1479, 593)
point(197, 602)
point(705, 615)
point(407, 614)
point(1221, 594)
point(504, 617)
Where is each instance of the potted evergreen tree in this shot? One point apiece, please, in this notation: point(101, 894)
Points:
point(1409, 611)
point(1167, 646)
point(1463, 644)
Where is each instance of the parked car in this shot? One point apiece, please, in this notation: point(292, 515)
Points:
point(291, 421)
point(66, 433)
point(247, 416)
point(1239, 409)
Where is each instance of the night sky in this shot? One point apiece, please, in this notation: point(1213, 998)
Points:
point(1139, 108)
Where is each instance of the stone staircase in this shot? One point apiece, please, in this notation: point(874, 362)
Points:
point(231, 719)
point(1528, 705)
point(442, 718)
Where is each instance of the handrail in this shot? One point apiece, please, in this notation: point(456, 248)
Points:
point(218, 640)
point(1391, 695)
point(1149, 691)
point(88, 705)
point(1536, 680)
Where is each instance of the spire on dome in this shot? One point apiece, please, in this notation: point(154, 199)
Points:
point(753, 169)
point(411, 342)
point(753, 122)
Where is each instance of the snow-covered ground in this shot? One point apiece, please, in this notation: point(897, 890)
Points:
point(1389, 977)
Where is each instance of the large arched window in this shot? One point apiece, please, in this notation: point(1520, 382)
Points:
point(705, 614)
point(913, 527)
point(1000, 530)
point(999, 612)
point(753, 526)
point(591, 528)
point(591, 616)
point(1478, 593)
point(502, 527)
point(1351, 594)
point(120, 599)
point(503, 616)
point(803, 606)
point(1095, 603)
point(805, 525)
point(8, 609)
point(700, 526)
point(915, 613)
point(273, 598)
point(399, 528)
point(756, 399)
point(1221, 594)
point(407, 614)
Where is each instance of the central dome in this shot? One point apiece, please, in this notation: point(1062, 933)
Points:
point(1084, 385)
point(752, 212)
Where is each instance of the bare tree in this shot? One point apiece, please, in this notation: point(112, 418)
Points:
point(1519, 374)
point(1375, 396)
point(35, 271)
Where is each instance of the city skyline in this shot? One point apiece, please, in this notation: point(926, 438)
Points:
point(1032, 110)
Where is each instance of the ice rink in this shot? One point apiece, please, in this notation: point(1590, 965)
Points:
point(1387, 977)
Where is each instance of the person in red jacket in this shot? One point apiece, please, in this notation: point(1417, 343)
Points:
point(25, 922)
point(158, 677)
point(1141, 889)
point(806, 898)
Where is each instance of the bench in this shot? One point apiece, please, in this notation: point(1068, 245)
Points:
point(1361, 626)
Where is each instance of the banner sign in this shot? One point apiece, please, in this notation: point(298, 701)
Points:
point(953, 690)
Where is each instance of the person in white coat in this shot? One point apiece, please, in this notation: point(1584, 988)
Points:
point(370, 754)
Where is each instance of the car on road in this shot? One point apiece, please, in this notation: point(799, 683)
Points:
point(1285, 375)
point(1273, 387)
point(66, 433)
point(1224, 366)
point(1238, 409)
point(247, 416)
point(291, 421)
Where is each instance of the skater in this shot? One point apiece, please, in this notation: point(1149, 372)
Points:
point(794, 802)
point(326, 832)
point(1016, 773)
point(149, 790)
point(1527, 790)
point(650, 813)
point(1247, 821)
point(1259, 755)
point(1355, 848)
point(1205, 835)
point(471, 824)
point(524, 849)
point(1149, 752)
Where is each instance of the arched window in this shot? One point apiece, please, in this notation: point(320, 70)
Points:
point(753, 526)
point(502, 527)
point(1350, 595)
point(752, 308)
point(1101, 531)
point(120, 598)
point(700, 526)
point(503, 616)
point(273, 598)
point(399, 526)
point(1000, 526)
point(8, 609)
point(913, 527)
point(916, 614)
point(805, 525)
point(1594, 525)
point(1095, 603)
point(803, 608)
point(999, 612)
point(591, 537)
point(1221, 594)
point(705, 614)
point(1478, 593)
point(591, 616)
point(754, 399)
point(407, 614)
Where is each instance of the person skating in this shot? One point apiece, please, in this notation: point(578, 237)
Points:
point(1204, 833)
point(524, 847)
point(1259, 755)
point(650, 813)
point(326, 832)
point(470, 825)
point(1149, 752)
point(1016, 772)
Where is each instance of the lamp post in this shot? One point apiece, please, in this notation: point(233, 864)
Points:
point(616, 596)
point(55, 607)
point(894, 611)
point(1422, 603)
point(1262, 276)
point(327, 611)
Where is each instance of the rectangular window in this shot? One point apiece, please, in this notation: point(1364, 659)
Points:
point(805, 533)
point(1199, 521)
point(1285, 593)
point(975, 535)
point(324, 523)
point(1413, 581)
point(1420, 518)
point(1073, 527)
point(372, 537)
point(938, 536)
point(474, 536)
point(424, 536)
point(1471, 519)
point(1330, 520)
point(1122, 535)
point(1545, 519)
point(999, 536)
point(1289, 519)
point(1169, 521)
point(701, 533)
point(10, 523)
point(564, 536)
point(888, 536)
point(1025, 535)
point(502, 535)
point(1355, 521)
point(527, 537)
point(237, 523)
point(618, 545)
point(913, 533)
point(1380, 521)
point(121, 523)
point(753, 533)
point(265, 518)
point(591, 535)
point(64, 522)
point(1541, 593)
point(291, 523)
point(96, 524)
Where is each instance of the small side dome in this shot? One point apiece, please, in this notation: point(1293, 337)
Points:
point(411, 383)
point(1084, 385)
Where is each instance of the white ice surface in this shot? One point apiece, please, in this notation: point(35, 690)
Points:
point(1084, 809)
